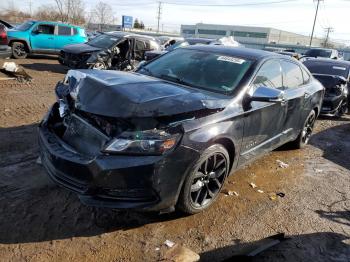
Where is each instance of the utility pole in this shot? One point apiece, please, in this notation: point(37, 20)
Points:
point(313, 27)
point(328, 30)
point(30, 8)
point(159, 14)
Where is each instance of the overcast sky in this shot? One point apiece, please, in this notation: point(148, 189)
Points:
point(291, 15)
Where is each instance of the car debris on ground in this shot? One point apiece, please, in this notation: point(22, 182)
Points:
point(179, 253)
point(169, 243)
point(281, 164)
point(253, 185)
point(15, 72)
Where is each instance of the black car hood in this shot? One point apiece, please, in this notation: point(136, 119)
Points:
point(330, 81)
point(125, 95)
point(80, 48)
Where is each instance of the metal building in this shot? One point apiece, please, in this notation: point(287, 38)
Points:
point(248, 34)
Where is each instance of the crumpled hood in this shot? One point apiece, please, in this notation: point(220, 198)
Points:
point(125, 95)
point(330, 81)
point(80, 48)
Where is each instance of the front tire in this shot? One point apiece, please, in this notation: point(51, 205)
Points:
point(305, 134)
point(19, 50)
point(204, 183)
point(343, 109)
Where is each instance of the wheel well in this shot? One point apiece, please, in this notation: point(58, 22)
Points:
point(229, 146)
point(20, 41)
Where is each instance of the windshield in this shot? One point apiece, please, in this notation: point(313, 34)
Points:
point(25, 26)
point(204, 70)
point(319, 53)
point(316, 67)
point(103, 41)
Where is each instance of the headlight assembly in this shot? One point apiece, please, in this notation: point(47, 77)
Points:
point(150, 142)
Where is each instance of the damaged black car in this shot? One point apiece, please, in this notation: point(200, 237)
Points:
point(334, 75)
point(112, 50)
point(168, 135)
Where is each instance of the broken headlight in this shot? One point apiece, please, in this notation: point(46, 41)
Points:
point(150, 142)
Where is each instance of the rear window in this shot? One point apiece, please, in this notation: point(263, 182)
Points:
point(316, 67)
point(319, 53)
point(64, 30)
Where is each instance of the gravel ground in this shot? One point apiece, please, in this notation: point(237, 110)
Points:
point(42, 222)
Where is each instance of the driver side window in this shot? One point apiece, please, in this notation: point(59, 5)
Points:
point(269, 75)
point(46, 29)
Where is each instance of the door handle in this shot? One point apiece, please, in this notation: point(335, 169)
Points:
point(50, 38)
point(307, 95)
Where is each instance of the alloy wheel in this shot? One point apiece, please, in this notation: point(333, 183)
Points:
point(308, 128)
point(19, 50)
point(208, 180)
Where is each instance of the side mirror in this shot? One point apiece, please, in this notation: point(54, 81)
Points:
point(267, 94)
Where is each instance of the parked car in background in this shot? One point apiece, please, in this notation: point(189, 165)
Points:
point(112, 50)
point(170, 133)
point(295, 55)
point(149, 55)
point(334, 75)
point(199, 41)
point(5, 50)
point(322, 53)
point(42, 37)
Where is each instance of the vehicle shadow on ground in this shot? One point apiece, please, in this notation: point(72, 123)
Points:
point(54, 68)
point(42, 56)
point(34, 209)
point(324, 246)
point(335, 144)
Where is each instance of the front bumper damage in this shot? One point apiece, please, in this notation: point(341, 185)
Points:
point(149, 183)
point(331, 105)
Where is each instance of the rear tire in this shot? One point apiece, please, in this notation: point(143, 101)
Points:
point(19, 50)
point(204, 183)
point(305, 134)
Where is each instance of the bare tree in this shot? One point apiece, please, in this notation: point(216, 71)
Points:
point(103, 14)
point(71, 11)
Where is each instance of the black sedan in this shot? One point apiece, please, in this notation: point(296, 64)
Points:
point(334, 75)
point(169, 134)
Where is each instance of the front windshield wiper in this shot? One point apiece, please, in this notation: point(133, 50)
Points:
point(177, 80)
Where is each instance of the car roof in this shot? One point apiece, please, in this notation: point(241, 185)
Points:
point(52, 22)
point(325, 61)
point(252, 54)
point(127, 34)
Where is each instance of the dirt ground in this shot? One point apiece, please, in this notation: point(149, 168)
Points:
point(42, 222)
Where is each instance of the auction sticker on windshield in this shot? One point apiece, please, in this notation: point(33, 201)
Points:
point(231, 59)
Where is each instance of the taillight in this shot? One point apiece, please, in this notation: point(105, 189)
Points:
point(3, 37)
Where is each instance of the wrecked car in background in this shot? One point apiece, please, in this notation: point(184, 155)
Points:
point(112, 50)
point(320, 53)
point(170, 133)
point(334, 75)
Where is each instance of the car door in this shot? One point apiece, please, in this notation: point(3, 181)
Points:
point(42, 37)
point(140, 48)
point(263, 122)
point(295, 92)
point(63, 37)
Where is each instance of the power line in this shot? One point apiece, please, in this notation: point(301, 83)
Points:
point(228, 5)
point(328, 31)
